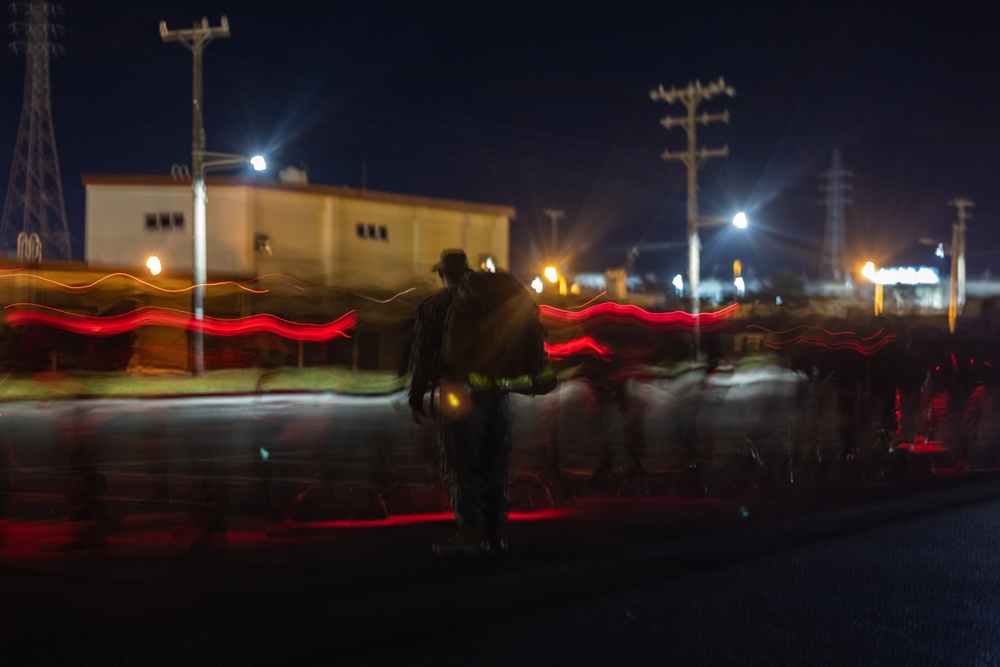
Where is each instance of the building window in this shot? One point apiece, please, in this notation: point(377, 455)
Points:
point(372, 232)
point(167, 221)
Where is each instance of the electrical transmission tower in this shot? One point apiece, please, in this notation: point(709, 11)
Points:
point(34, 213)
point(833, 266)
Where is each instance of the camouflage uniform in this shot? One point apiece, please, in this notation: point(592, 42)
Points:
point(428, 336)
point(475, 446)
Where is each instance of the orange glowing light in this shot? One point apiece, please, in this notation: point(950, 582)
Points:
point(241, 286)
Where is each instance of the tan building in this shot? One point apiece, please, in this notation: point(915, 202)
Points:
point(322, 235)
point(344, 250)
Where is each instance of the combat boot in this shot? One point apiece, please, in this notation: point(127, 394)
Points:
point(496, 538)
point(469, 540)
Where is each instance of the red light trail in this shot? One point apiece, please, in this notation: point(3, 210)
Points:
point(28, 314)
point(826, 339)
point(583, 345)
point(627, 312)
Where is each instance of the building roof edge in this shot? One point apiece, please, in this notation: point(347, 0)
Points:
point(310, 188)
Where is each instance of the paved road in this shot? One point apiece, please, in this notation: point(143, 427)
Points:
point(835, 569)
point(287, 442)
point(903, 572)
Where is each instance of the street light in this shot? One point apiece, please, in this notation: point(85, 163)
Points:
point(206, 161)
point(678, 284)
point(553, 275)
point(694, 260)
point(869, 272)
point(739, 221)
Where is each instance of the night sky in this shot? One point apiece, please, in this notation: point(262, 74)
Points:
point(538, 107)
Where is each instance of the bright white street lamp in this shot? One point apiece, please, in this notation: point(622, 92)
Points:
point(741, 287)
point(740, 221)
point(154, 266)
point(258, 163)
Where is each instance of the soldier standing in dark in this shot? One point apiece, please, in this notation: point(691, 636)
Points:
point(474, 425)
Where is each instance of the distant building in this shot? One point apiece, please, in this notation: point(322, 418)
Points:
point(347, 249)
point(324, 235)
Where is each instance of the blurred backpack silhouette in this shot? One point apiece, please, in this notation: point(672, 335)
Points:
point(493, 337)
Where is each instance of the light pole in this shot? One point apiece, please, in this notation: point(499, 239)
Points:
point(956, 299)
point(195, 40)
point(207, 161)
point(956, 251)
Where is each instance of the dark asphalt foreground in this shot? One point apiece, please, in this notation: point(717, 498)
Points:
point(900, 572)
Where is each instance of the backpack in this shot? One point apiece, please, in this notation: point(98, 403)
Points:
point(493, 337)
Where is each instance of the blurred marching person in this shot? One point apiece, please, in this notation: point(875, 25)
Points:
point(475, 446)
point(87, 516)
point(610, 380)
point(476, 336)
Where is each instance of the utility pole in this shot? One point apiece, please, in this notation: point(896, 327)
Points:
point(834, 240)
point(693, 95)
point(195, 40)
point(34, 214)
point(693, 157)
point(956, 299)
point(555, 216)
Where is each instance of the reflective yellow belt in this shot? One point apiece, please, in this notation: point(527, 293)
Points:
point(521, 383)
